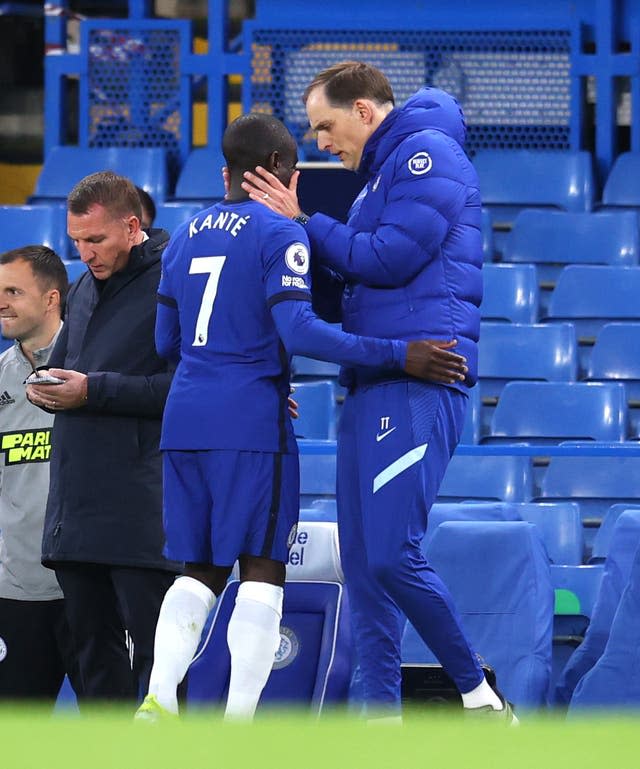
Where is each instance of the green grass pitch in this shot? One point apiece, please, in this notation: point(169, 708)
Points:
point(31, 739)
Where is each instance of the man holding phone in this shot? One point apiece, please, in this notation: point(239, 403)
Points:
point(103, 531)
point(34, 640)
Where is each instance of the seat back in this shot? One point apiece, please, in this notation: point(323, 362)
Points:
point(558, 524)
point(514, 351)
point(594, 482)
point(552, 412)
point(472, 427)
point(510, 293)
point(590, 296)
point(317, 410)
point(169, 216)
point(622, 187)
point(604, 534)
point(38, 225)
point(487, 236)
point(514, 179)
point(506, 612)
point(313, 665)
point(64, 166)
point(506, 479)
point(315, 553)
point(201, 176)
point(605, 670)
point(556, 238)
point(317, 471)
point(616, 356)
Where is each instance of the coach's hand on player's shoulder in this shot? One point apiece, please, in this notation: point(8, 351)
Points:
point(267, 189)
point(430, 359)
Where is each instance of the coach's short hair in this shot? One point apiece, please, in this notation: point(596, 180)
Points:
point(251, 139)
point(47, 267)
point(114, 192)
point(347, 81)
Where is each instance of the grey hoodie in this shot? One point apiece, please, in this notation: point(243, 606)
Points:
point(25, 445)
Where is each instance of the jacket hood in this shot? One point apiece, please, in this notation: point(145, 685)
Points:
point(428, 108)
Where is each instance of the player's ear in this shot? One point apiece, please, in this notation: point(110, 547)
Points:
point(273, 161)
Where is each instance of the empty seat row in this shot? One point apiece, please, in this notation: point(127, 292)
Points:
point(511, 180)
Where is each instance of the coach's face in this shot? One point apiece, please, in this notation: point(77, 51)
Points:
point(103, 239)
point(342, 131)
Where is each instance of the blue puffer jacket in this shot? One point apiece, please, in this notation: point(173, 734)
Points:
point(411, 253)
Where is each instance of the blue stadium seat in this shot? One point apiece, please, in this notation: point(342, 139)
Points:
point(591, 296)
point(317, 472)
point(604, 534)
point(201, 177)
point(560, 527)
point(616, 356)
point(310, 368)
point(595, 483)
point(169, 216)
point(487, 235)
point(472, 428)
point(317, 410)
point(314, 663)
point(558, 524)
point(622, 188)
point(617, 568)
point(552, 412)
point(75, 268)
point(514, 179)
point(34, 225)
point(507, 612)
point(506, 479)
point(5, 344)
point(576, 590)
point(525, 351)
point(64, 166)
point(552, 239)
point(510, 293)
point(614, 680)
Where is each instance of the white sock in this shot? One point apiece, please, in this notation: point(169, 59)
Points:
point(253, 636)
point(183, 613)
point(480, 696)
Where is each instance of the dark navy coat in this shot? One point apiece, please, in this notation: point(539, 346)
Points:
point(411, 252)
point(105, 496)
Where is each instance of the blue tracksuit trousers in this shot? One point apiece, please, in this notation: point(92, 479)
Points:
point(395, 441)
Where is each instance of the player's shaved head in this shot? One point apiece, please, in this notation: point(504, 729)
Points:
point(252, 139)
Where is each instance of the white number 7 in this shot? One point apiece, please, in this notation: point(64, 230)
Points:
point(201, 265)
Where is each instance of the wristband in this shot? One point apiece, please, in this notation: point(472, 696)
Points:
point(302, 219)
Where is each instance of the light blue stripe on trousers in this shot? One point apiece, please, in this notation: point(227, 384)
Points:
point(399, 466)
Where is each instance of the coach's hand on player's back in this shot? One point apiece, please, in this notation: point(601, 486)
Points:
point(430, 359)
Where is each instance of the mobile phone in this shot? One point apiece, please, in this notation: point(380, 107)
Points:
point(43, 379)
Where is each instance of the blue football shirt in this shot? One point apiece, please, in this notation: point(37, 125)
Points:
point(221, 274)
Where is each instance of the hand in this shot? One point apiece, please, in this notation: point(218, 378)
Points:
point(293, 408)
point(283, 200)
point(70, 395)
point(429, 359)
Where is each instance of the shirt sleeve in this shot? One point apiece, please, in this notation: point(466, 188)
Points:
point(167, 332)
point(303, 333)
point(286, 264)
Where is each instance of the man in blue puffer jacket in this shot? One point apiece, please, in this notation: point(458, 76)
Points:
point(408, 265)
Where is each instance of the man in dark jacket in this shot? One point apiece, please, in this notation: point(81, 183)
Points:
point(103, 530)
point(408, 264)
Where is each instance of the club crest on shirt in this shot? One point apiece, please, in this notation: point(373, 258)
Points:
point(297, 258)
point(3, 649)
point(420, 163)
